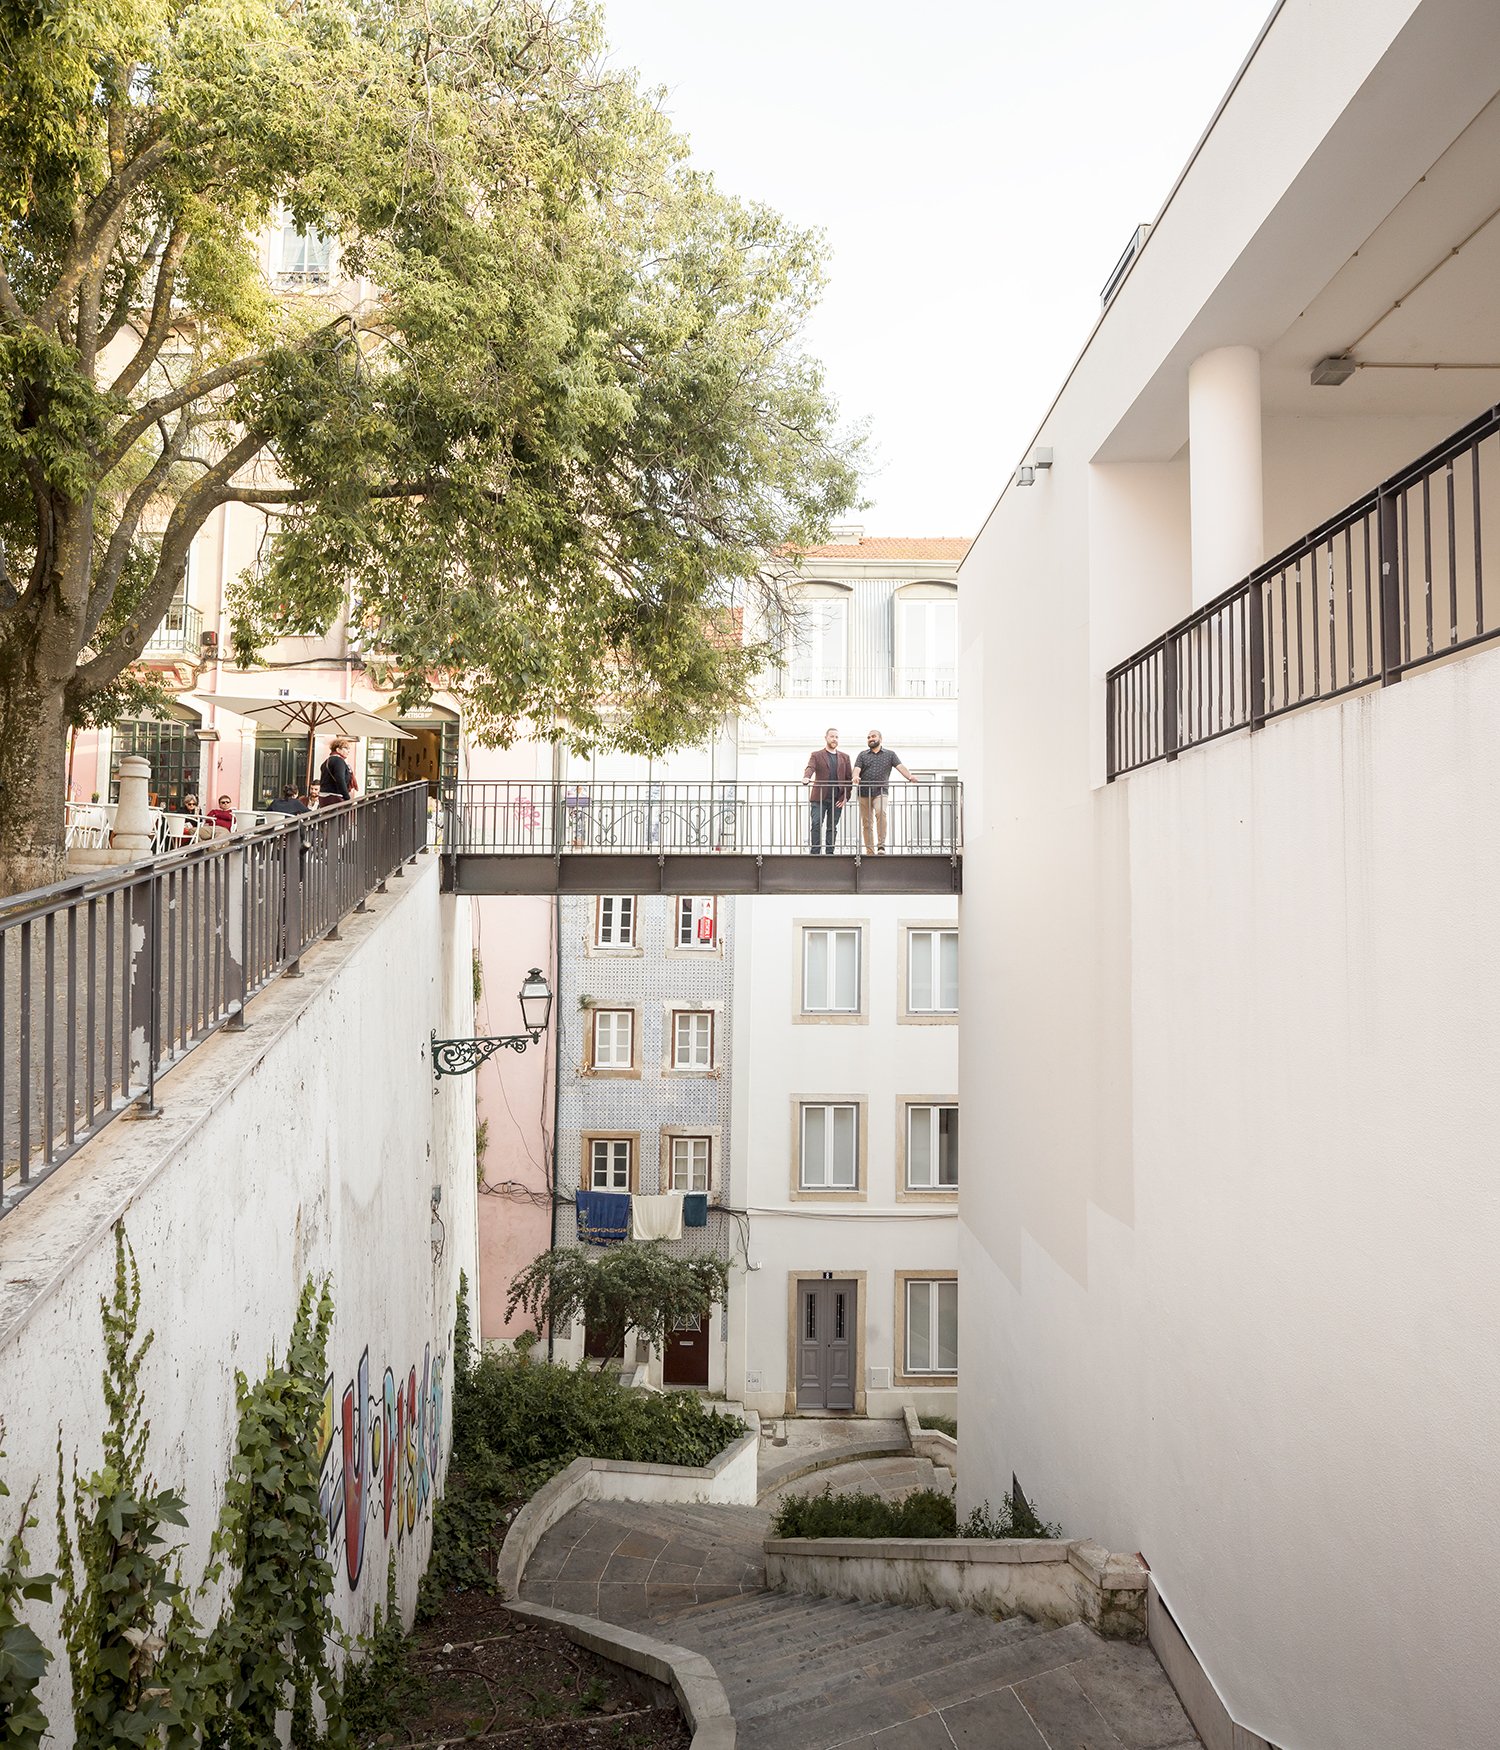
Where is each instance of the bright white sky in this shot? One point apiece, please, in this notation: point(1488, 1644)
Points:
point(977, 165)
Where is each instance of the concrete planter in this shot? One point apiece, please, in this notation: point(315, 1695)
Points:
point(1050, 1581)
point(931, 1443)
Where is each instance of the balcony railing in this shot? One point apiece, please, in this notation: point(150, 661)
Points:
point(664, 819)
point(867, 681)
point(181, 630)
point(108, 981)
point(1393, 582)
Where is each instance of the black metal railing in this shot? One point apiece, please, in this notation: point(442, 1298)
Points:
point(107, 981)
point(1394, 581)
point(664, 819)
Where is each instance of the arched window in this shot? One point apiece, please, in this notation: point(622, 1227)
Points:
point(927, 641)
point(818, 644)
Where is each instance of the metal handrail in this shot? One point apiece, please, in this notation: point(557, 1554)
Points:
point(610, 818)
point(1395, 580)
point(107, 980)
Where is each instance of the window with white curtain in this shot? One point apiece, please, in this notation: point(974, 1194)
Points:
point(830, 1148)
point(818, 660)
point(610, 1162)
point(932, 972)
point(305, 255)
point(931, 1326)
point(927, 644)
point(692, 1039)
point(689, 1163)
point(615, 921)
point(830, 971)
point(614, 1034)
point(931, 1148)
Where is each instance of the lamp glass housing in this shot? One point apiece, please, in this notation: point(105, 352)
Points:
point(536, 1001)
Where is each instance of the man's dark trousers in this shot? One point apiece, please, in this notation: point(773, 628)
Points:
point(827, 812)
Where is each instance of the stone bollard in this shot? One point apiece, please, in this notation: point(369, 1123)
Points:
point(132, 831)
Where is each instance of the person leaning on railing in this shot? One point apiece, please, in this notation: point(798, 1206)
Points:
point(875, 765)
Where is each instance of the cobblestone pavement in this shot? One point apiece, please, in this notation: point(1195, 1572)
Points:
point(805, 1673)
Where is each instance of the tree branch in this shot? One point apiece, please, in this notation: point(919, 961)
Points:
point(188, 516)
point(117, 552)
point(141, 421)
point(161, 315)
point(97, 228)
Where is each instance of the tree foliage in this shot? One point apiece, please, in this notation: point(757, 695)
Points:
point(539, 437)
point(23, 1657)
point(637, 1285)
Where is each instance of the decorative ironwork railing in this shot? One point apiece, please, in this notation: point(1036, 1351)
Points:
point(1391, 583)
point(181, 629)
point(109, 980)
point(662, 819)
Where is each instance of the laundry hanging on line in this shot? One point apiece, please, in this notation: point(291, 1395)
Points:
point(656, 1218)
point(603, 1217)
point(695, 1209)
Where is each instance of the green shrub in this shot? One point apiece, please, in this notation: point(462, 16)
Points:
point(925, 1513)
point(531, 1419)
point(942, 1425)
point(1014, 1519)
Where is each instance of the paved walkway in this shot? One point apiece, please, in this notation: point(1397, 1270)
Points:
point(889, 1477)
point(805, 1673)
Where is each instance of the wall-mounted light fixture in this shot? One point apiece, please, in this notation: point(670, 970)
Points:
point(1026, 476)
point(456, 1057)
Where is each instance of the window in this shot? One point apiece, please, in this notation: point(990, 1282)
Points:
point(830, 1148)
point(689, 1163)
point(171, 747)
point(614, 1036)
point(818, 657)
point(615, 922)
point(927, 644)
point(692, 1039)
point(305, 255)
point(932, 809)
point(932, 972)
point(697, 922)
point(830, 971)
point(931, 1326)
point(931, 1148)
point(610, 1163)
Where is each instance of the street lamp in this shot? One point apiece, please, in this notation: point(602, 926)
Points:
point(456, 1057)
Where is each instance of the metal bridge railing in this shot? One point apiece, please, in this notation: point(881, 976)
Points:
point(109, 980)
point(1393, 582)
point(517, 818)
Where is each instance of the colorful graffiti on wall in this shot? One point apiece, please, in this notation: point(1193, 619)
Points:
point(380, 1457)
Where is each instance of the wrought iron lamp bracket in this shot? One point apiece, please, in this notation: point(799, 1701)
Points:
point(457, 1057)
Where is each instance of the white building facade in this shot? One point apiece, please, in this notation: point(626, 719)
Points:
point(846, 1031)
point(1227, 1281)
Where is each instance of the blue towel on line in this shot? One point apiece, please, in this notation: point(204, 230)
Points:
point(603, 1217)
point(695, 1209)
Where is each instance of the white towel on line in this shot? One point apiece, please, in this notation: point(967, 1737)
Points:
point(656, 1218)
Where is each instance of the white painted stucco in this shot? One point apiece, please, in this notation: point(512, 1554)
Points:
point(1226, 1245)
point(308, 1145)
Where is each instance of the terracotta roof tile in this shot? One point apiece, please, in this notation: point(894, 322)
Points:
point(893, 547)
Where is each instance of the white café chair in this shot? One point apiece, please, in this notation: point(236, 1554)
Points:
point(248, 819)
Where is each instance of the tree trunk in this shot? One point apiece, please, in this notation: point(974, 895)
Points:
point(33, 771)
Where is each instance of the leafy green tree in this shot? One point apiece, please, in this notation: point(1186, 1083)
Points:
point(637, 1285)
point(538, 439)
point(23, 1658)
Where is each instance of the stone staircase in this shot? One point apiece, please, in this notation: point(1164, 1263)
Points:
point(806, 1673)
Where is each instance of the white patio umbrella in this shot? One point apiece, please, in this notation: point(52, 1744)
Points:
point(305, 716)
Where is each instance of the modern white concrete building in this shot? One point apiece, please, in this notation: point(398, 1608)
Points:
point(846, 1020)
point(1227, 1247)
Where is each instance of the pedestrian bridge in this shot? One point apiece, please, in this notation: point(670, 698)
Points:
point(726, 837)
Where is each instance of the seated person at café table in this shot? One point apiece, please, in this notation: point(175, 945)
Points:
point(223, 815)
point(288, 802)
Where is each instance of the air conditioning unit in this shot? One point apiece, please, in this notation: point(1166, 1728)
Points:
point(208, 641)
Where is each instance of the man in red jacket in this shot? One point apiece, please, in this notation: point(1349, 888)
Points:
point(831, 777)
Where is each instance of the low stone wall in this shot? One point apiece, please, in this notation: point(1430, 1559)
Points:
point(930, 1443)
point(1051, 1581)
point(728, 1479)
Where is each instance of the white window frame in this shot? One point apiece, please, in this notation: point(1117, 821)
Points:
point(619, 931)
point(930, 1115)
point(304, 254)
point(830, 989)
point(935, 933)
point(927, 678)
point(699, 1054)
point(823, 632)
point(610, 1158)
point(690, 1145)
point(827, 1182)
point(612, 1059)
point(935, 1289)
point(691, 909)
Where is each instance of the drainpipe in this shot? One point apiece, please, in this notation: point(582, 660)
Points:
point(557, 1009)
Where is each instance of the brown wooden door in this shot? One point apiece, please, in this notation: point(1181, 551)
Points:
point(825, 1346)
point(686, 1359)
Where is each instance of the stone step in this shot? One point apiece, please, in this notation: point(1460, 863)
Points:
point(752, 1628)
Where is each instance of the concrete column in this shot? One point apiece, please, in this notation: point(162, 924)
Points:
point(1225, 468)
point(132, 831)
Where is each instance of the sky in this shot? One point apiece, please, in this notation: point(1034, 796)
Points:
point(977, 170)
